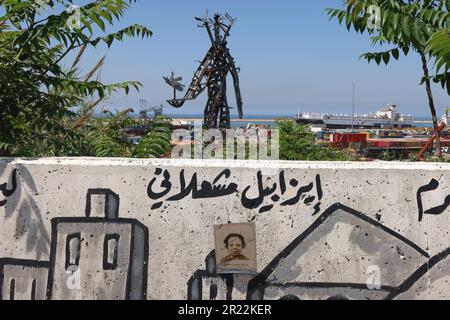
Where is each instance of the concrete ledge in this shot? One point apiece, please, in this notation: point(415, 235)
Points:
point(143, 229)
point(230, 163)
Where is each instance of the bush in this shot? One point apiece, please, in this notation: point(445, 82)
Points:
point(298, 143)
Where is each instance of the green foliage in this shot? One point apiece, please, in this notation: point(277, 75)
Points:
point(416, 25)
point(432, 158)
point(407, 25)
point(106, 146)
point(297, 143)
point(392, 155)
point(106, 136)
point(157, 142)
point(37, 91)
point(439, 47)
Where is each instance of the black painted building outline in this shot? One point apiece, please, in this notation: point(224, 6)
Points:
point(139, 273)
point(195, 283)
point(258, 284)
point(19, 263)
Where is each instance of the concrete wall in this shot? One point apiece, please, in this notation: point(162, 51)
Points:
point(133, 231)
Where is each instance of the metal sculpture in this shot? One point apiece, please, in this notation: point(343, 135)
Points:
point(212, 74)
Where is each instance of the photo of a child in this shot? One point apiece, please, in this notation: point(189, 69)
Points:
point(235, 247)
point(234, 243)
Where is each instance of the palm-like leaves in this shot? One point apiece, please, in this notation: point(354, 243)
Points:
point(157, 142)
point(36, 91)
point(3, 26)
point(407, 25)
point(439, 47)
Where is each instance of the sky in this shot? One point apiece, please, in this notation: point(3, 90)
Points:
point(292, 58)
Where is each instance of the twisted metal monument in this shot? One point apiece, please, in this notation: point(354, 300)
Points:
point(212, 74)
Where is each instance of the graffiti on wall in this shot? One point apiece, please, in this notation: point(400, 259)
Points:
point(406, 267)
point(207, 190)
point(308, 193)
point(344, 254)
point(22, 191)
point(295, 274)
point(301, 194)
point(7, 190)
point(207, 284)
point(96, 257)
point(369, 243)
point(432, 186)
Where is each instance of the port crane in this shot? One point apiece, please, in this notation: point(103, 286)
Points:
point(157, 111)
point(212, 75)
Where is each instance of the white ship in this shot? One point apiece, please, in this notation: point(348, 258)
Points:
point(385, 118)
point(446, 118)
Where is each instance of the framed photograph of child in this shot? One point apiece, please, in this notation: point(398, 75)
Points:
point(235, 248)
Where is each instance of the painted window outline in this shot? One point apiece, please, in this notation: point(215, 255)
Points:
point(114, 240)
point(12, 289)
point(69, 239)
point(33, 290)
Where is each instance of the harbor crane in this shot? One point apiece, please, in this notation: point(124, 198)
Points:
point(212, 75)
point(157, 111)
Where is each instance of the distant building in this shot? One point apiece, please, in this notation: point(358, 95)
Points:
point(23, 279)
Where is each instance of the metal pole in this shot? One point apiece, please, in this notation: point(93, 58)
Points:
point(353, 109)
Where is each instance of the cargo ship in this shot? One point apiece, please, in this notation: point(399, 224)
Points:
point(385, 118)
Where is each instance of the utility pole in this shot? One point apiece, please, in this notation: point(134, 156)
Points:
point(353, 108)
